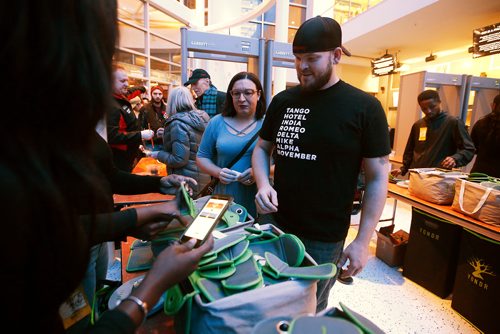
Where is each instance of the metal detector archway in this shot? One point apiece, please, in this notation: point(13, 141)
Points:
point(451, 88)
point(237, 49)
point(484, 91)
point(278, 54)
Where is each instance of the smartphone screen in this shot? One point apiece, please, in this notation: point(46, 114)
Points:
point(207, 219)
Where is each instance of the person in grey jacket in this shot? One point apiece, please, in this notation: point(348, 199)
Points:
point(183, 131)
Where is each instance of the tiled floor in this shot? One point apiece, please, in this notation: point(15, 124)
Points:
point(393, 302)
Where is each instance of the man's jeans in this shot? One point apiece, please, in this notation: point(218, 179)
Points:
point(324, 252)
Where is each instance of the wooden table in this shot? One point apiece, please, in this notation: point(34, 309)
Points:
point(444, 212)
point(124, 200)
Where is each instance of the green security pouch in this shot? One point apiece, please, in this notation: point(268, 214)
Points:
point(282, 269)
point(240, 210)
point(224, 243)
point(185, 202)
point(256, 233)
point(170, 234)
point(309, 324)
point(247, 275)
point(218, 272)
point(140, 243)
point(230, 218)
point(207, 259)
point(270, 280)
point(140, 258)
point(366, 325)
point(287, 247)
point(219, 261)
point(165, 239)
point(174, 299)
point(211, 289)
point(180, 294)
point(245, 256)
point(235, 252)
point(227, 256)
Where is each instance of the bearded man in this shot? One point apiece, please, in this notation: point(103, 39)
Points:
point(323, 130)
point(155, 116)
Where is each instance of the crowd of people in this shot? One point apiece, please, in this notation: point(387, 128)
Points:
point(57, 194)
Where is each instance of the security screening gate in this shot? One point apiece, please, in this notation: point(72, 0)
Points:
point(278, 54)
point(482, 91)
point(236, 49)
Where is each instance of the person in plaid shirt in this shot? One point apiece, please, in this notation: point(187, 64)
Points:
point(208, 98)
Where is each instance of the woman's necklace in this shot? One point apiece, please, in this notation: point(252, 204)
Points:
point(242, 131)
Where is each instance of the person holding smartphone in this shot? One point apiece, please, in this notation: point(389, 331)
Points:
point(228, 133)
point(120, 224)
point(68, 45)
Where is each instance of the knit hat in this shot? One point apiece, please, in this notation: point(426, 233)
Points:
point(155, 88)
point(197, 75)
point(319, 34)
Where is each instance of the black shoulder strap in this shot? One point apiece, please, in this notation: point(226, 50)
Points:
point(247, 145)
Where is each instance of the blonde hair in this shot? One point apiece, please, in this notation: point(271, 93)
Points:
point(179, 99)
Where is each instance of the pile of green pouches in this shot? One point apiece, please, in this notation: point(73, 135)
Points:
point(246, 261)
point(142, 253)
point(246, 258)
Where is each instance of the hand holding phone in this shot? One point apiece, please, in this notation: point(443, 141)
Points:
point(206, 220)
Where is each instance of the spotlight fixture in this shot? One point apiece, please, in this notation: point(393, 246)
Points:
point(431, 57)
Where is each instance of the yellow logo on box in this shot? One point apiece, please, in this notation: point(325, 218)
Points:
point(480, 269)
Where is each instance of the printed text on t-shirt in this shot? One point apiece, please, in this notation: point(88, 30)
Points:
point(290, 130)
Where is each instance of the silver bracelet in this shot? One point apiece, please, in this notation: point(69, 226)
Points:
point(143, 306)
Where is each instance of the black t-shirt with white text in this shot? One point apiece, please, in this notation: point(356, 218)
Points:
point(321, 138)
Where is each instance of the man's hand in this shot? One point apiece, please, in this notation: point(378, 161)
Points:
point(448, 163)
point(358, 257)
point(395, 172)
point(266, 200)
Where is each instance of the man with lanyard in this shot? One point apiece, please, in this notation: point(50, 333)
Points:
point(323, 130)
point(436, 140)
point(124, 134)
point(154, 117)
point(208, 98)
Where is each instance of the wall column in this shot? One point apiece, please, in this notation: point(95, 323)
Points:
point(281, 35)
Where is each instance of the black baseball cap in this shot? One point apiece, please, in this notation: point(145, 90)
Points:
point(319, 34)
point(197, 75)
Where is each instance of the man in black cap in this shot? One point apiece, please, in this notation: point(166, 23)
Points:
point(323, 129)
point(208, 98)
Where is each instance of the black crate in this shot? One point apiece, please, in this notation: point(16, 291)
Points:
point(476, 293)
point(432, 253)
